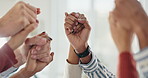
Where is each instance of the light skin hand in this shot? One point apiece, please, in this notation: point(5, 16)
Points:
point(18, 39)
point(135, 14)
point(42, 47)
point(36, 40)
point(121, 36)
point(26, 73)
point(17, 18)
point(78, 40)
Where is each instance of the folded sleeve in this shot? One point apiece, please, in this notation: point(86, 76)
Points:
point(142, 61)
point(127, 66)
point(7, 58)
point(72, 71)
point(95, 69)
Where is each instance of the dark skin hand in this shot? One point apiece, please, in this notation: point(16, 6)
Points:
point(78, 40)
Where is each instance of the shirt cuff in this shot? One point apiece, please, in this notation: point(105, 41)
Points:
point(72, 71)
point(142, 60)
point(6, 73)
point(91, 66)
point(9, 54)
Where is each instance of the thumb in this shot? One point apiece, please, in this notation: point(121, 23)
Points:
point(87, 26)
point(52, 55)
point(31, 63)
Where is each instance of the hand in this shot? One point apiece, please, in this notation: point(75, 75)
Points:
point(18, 39)
point(133, 11)
point(135, 14)
point(20, 16)
point(121, 36)
point(38, 64)
point(27, 73)
point(79, 39)
point(41, 47)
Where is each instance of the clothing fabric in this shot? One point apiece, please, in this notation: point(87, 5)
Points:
point(9, 71)
point(142, 61)
point(127, 66)
point(95, 69)
point(72, 71)
point(7, 58)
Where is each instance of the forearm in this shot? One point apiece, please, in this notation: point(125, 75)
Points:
point(7, 58)
point(72, 57)
point(142, 37)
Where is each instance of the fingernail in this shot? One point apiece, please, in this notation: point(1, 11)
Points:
point(76, 23)
point(37, 21)
point(43, 33)
point(33, 51)
point(34, 56)
point(77, 15)
point(38, 48)
point(74, 28)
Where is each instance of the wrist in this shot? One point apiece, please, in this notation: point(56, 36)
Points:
point(82, 48)
point(72, 58)
point(11, 45)
point(25, 73)
point(86, 59)
point(21, 74)
point(125, 49)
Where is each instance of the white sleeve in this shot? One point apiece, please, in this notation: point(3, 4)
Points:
point(72, 71)
point(142, 61)
point(9, 71)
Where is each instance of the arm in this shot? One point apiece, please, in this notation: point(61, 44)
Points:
point(7, 51)
point(7, 58)
point(122, 37)
point(72, 69)
point(21, 53)
point(79, 40)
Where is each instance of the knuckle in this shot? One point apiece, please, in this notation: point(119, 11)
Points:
point(22, 21)
point(21, 5)
point(23, 12)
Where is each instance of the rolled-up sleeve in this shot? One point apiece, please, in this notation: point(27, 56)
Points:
point(142, 61)
point(7, 58)
point(72, 71)
point(95, 69)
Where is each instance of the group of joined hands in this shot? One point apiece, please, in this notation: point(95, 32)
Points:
point(35, 51)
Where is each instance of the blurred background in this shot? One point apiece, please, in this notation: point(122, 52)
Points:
point(52, 21)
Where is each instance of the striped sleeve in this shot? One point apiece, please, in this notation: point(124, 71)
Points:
point(95, 69)
point(142, 61)
point(9, 71)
